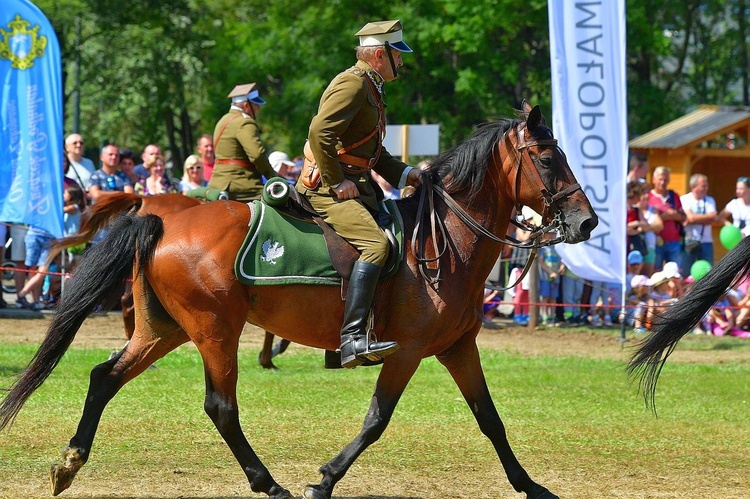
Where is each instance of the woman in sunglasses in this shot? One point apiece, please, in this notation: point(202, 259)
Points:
point(192, 178)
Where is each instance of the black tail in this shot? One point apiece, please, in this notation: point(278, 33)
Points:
point(678, 320)
point(97, 280)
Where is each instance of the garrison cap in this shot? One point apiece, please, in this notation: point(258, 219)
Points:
point(382, 32)
point(246, 92)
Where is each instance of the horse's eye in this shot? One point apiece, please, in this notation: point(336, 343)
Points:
point(546, 161)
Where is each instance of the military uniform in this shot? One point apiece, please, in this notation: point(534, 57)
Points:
point(346, 138)
point(350, 109)
point(241, 157)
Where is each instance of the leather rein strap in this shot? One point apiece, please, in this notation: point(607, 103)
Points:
point(438, 229)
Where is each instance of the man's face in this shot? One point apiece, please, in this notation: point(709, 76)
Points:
point(206, 148)
point(660, 180)
point(150, 152)
point(382, 63)
point(110, 157)
point(701, 188)
point(74, 144)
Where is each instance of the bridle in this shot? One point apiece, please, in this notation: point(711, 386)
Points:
point(535, 240)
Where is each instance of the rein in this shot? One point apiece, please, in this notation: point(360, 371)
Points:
point(438, 228)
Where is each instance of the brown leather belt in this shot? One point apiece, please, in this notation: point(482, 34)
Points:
point(235, 162)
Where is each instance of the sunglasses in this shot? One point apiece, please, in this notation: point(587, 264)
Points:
point(78, 142)
point(194, 167)
point(743, 179)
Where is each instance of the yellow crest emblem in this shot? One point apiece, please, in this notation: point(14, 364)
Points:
point(21, 45)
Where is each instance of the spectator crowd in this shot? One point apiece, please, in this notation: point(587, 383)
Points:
point(670, 245)
point(37, 283)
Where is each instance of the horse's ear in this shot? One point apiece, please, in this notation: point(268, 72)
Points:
point(525, 107)
point(534, 118)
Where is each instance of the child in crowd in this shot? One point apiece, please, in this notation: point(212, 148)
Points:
point(635, 264)
point(659, 296)
point(489, 306)
point(550, 268)
point(720, 320)
point(672, 271)
point(637, 303)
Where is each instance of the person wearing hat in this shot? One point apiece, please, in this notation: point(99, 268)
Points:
point(345, 143)
point(281, 164)
point(240, 156)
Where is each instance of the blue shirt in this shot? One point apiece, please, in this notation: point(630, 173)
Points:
point(107, 182)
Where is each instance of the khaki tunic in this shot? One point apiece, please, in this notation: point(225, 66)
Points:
point(348, 112)
point(237, 138)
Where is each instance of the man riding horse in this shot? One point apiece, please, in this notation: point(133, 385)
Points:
point(346, 142)
point(241, 157)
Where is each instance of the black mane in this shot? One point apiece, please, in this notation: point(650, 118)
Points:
point(466, 164)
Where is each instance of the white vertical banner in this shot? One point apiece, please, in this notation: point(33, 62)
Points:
point(589, 107)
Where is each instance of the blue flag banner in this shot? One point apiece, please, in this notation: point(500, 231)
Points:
point(31, 117)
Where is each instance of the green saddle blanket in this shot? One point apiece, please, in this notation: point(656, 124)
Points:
point(280, 249)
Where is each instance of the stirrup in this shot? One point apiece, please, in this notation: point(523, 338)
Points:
point(374, 352)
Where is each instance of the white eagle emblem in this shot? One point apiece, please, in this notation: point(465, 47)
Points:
point(271, 251)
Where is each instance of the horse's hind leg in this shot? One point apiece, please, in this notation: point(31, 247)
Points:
point(221, 370)
point(147, 346)
point(395, 375)
point(462, 361)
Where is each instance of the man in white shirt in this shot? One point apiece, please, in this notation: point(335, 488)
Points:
point(80, 168)
point(700, 211)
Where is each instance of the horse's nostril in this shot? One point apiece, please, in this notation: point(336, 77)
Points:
point(588, 225)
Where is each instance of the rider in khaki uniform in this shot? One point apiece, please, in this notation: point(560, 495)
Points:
point(346, 142)
point(241, 157)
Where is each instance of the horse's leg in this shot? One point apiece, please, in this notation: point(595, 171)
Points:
point(266, 354)
point(462, 361)
point(270, 351)
point(396, 372)
point(106, 379)
point(220, 363)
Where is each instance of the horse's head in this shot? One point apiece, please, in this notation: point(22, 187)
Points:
point(542, 179)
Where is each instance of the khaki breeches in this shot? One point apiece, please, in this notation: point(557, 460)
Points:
point(241, 184)
point(353, 222)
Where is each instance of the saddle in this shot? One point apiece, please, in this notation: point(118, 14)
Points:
point(289, 243)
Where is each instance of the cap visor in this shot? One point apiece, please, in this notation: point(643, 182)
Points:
point(258, 100)
point(401, 46)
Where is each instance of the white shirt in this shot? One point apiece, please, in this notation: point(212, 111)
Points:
point(699, 232)
point(740, 215)
point(80, 172)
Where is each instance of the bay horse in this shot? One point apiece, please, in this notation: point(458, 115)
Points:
point(98, 216)
point(679, 319)
point(186, 290)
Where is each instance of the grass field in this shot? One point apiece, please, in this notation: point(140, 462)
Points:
point(574, 421)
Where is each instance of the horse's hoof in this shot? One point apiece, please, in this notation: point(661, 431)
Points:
point(539, 492)
point(314, 492)
point(60, 478)
point(284, 494)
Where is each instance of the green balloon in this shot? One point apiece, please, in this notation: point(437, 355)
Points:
point(730, 236)
point(699, 269)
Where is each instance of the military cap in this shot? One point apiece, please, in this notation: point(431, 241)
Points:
point(382, 32)
point(246, 92)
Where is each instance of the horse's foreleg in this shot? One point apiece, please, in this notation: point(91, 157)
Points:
point(395, 375)
point(220, 361)
point(105, 381)
point(462, 361)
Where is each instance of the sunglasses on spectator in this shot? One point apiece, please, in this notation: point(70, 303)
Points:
point(194, 167)
point(744, 180)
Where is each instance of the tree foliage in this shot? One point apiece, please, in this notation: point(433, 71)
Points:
point(159, 70)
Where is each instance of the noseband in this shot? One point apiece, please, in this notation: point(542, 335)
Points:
point(535, 240)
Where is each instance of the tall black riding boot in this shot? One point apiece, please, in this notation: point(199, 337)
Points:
point(355, 348)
